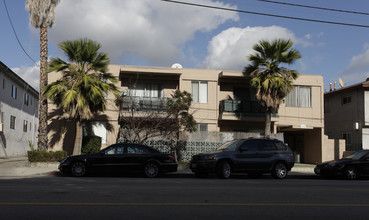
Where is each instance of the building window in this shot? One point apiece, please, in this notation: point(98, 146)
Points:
point(12, 122)
point(300, 96)
point(14, 92)
point(348, 138)
point(26, 98)
point(346, 100)
point(202, 127)
point(25, 126)
point(152, 90)
point(199, 91)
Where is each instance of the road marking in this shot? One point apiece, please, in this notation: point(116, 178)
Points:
point(180, 204)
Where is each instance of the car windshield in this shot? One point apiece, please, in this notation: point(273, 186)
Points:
point(229, 146)
point(357, 155)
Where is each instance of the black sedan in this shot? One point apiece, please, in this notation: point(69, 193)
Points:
point(350, 167)
point(121, 158)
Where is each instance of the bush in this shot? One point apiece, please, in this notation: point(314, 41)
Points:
point(91, 144)
point(46, 156)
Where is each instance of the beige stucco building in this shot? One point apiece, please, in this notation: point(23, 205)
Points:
point(222, 102)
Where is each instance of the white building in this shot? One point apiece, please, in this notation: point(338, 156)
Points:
point(18, 114)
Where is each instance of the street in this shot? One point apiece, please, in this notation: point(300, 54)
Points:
point(297, 197)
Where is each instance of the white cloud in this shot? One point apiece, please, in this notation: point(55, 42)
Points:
point(29, 74)
point(153, 31)
point(229, 49)
point(359, 63)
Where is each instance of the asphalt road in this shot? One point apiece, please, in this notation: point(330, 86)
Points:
point(301, 197)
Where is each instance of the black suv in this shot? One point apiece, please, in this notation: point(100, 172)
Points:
point(253, 156)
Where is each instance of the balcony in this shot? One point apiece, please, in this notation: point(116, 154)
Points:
point(241, 109)
point(144, 104)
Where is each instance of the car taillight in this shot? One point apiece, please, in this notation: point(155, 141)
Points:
point(292, 158)
point(172, 158)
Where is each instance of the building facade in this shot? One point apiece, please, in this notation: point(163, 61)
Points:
point(18, 114)
point(347, 115)
point(224, 103)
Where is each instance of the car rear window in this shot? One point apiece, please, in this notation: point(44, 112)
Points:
point(280, 145)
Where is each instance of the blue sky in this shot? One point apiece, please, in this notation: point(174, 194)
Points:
point(157, 33)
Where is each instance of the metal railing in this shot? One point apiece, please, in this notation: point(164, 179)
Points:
point(241, 108)
point(143, 103)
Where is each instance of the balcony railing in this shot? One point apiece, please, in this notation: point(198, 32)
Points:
point(240, 108)
point(143, 103)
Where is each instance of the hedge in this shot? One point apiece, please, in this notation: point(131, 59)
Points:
point(91, 144)
point(46, 156)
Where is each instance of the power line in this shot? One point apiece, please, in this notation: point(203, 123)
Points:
point(314, 7)
point(16, 36)
point(270, 15)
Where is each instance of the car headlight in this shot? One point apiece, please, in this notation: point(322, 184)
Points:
point(209, 157)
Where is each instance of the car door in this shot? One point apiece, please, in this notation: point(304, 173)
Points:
point(266, 154)
point(108, 160)
point(365, 165)
point(135, 157)
point(245, 157)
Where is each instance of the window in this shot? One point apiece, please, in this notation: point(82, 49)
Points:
point(14, 92)
point(348, 138)
point(202, 127)
point(300, 96)
point(199, 91)
point(346, 100)
point(26, 98)
point(152, 90)
point(250, 145)
point(12, 122)
point(25, 126)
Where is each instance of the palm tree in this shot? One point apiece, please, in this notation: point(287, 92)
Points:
point(81, 92)
point(271, 81)
point(42, 15)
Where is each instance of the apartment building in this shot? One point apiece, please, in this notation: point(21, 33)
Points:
point(18, 114)
point(224, 102)
point(347, 115)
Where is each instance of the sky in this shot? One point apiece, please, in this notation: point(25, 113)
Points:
point(159, 33)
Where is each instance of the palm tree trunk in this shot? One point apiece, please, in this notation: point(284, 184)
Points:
point(78, 138)
point(42, 102)
point(268, 122)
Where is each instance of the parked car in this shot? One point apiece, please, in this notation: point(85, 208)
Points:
point(253, 156)
point(121, 158)
point(350, 167)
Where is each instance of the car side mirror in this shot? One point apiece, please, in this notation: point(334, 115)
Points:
point(102, 153)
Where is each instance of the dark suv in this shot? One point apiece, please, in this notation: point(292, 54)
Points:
point(253, 156)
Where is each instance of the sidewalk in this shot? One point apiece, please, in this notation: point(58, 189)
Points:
point(21, 167)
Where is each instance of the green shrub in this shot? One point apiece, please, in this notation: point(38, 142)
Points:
point(46, 156)
point(91, 144)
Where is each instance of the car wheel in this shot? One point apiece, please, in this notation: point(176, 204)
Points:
point(78, 169)
point(279, 171)
point(224, 170)
point(351, 173)
point(151, 170)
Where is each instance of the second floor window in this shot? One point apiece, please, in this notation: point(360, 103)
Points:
point(14, 92)
point(300, 96)
point(26, 98)
point(199, 91)
point(152, 90)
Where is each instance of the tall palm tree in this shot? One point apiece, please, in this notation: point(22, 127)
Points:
point(81, 91)
point(42, 15)
point(272, 81)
